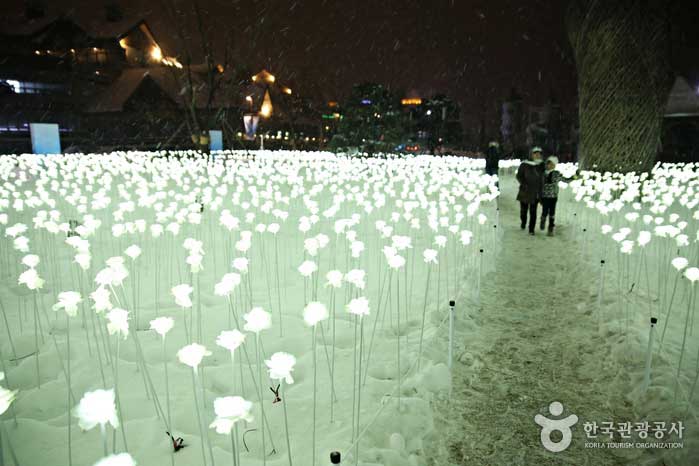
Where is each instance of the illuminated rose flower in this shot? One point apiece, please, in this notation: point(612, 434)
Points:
point(679, 263)
point(83, 259)
point(356, 277)
point(6, 398)
point(358, 306)
point(97, 407)
point(307, 268)
point(314, 312)
point(162, 325)
point(230, 339)
point(68, 301)
point(118, 322)
point(240, 264)
point(101, 297)
point(30, 260)
point(280, 366)
point(692, 274)
point(643, 238)
point(396, 262)
point(181, 294)
point(133, 251)
point(334, 278)
point(192, 355)
point(257, 320)
point(119, 459)
point(229, 410)
point(30, 278)
point(227, 284)
point(430, 256)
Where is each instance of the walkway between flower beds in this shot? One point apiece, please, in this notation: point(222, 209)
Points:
point(537, 342)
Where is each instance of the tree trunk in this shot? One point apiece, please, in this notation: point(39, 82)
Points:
point(622, 53)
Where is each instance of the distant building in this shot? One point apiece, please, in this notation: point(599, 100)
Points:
point(102, 82)
point(110, 84)
point(434, 122)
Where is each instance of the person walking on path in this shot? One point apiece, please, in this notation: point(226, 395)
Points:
point(549, 195)
point(492, 158)
point(530, 176)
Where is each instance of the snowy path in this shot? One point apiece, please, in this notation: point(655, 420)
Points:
point(537, 342)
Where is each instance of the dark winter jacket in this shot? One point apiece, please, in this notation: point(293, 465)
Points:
point(492, 160)
point(551, 180)
point(531, 178)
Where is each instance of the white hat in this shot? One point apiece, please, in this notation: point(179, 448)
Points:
point(553, 159)
point(536, 149)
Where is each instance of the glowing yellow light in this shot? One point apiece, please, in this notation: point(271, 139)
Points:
point(156, 53)
point(219, 68)
point(37, 52)
point(122, 43)
point(287, 90)
point(271, 78)
point(248, 98)
point(332, 104)
point(254, 78)
point(266, 109)
point(411, 101)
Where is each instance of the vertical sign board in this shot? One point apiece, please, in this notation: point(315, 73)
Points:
point(215, 139)
point(45, 138)
point(250, 120)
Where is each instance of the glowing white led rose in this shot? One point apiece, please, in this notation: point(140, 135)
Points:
point(192, 355)
point(229, 410)
point(101, 298)
point(307, 268)
point(118, 322)
point(97, 408)
point(440, 241)
point(119, 459)
point(314, 312)
point(227, 284)
point(181, 293)
point(30, 260)
point(6, 398)
point(162, 325)
point(643, 238)
point(83, 259)
point(334, 278)
point(396, 262)
point(430, 256)
point(240, 264)
point(280, 366)
point(257, 320)
point(358, 306)
point(692, 274)
point(30, 278)
point(356, 278)
point(679, 263)
point(68, 301)
point(133, 251)
point(230, 339)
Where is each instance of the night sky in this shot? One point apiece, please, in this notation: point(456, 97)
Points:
point(473, 50)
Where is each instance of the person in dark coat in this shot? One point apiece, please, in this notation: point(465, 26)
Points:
point(492, 158)
point(530, 176)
